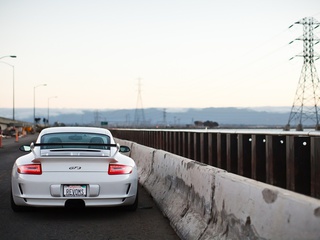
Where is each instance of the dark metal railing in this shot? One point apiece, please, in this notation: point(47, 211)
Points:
point(289, 160)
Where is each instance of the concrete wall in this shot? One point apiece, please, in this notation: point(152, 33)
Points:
point(203, 202)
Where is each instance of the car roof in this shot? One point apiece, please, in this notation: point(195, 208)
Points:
point(76, 129)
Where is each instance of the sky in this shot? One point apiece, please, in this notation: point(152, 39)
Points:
point(126, 54)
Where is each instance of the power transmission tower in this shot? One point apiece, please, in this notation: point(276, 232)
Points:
point(164, 117)
point(139, 119)
point(96, 118)
point(305, 106)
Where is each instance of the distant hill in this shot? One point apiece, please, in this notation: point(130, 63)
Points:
point(262, 116)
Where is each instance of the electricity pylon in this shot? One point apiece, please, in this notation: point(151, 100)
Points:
point(139, 119)
point(305, 108)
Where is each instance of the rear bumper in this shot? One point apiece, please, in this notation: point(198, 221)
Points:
point(60, 202)
point(46, 190)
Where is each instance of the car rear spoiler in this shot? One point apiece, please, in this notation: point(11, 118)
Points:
point(117, 145)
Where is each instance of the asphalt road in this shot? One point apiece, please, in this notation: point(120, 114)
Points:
point(82, 223)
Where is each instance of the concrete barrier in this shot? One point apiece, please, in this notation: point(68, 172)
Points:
point(252, 208)
point(143, 157)
point(203, 202)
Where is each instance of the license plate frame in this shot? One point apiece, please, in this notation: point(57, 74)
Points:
point(74, 190)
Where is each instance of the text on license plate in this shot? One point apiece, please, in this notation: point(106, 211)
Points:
point(74, 190)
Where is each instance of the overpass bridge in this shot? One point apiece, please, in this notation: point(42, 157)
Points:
point(231, 184)
point(6, 123)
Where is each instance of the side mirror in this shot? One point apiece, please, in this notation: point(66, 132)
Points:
point(25, 148)
point(124, 149)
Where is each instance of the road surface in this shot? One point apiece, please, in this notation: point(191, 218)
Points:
point(82, 223)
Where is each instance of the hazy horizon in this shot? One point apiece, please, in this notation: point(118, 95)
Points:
point(27, 113)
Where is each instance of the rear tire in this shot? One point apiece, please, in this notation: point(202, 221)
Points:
point(134, 206)
point(15, 207)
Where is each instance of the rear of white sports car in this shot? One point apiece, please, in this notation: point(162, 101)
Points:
point(53, 175)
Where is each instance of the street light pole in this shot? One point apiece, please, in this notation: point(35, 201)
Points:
point(12, 56)
point(49, 107)
point(13, 117)
point(13, 87)
point(34, 101)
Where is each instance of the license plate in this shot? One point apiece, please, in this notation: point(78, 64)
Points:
point(74, 190)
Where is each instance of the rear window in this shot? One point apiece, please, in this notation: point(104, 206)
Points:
point(79, 138)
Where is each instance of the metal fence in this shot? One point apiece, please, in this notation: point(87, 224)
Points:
point(289, 160)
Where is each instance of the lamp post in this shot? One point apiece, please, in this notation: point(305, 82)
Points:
point(12, 56)
point(49, 107)
point(13, 105)
point(34, 101)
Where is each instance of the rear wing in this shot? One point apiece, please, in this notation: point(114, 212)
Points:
point(77, 146)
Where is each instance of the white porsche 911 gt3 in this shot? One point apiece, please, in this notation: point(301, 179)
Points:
point(69, 166)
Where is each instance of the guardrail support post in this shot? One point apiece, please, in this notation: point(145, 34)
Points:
point(244, 155)
point(185, 144)
point(221, 151)
point(315, 167)
point(212, 149)
point(232, 153)
point(291, 165)
point(302, 162)
point(258, 157)
point(204, 147)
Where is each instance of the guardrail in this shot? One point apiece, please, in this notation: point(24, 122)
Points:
point(290, 160)
point(221, 205)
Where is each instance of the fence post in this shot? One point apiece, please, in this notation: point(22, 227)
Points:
point(315, 167)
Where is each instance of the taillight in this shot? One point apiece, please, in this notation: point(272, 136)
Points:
point(30, 169)
point(117, 169)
